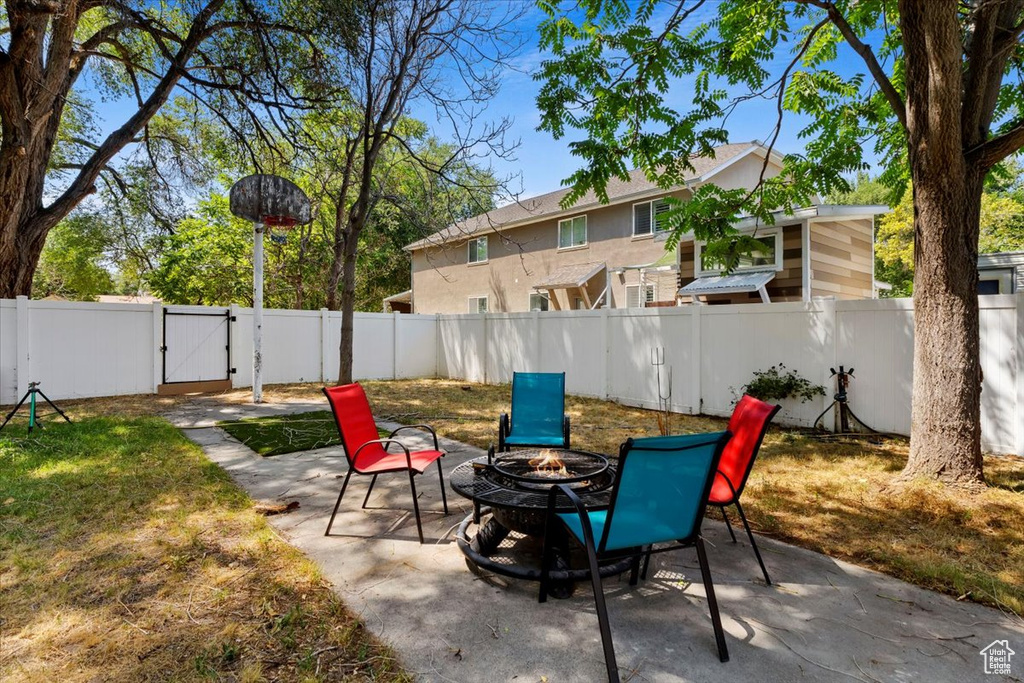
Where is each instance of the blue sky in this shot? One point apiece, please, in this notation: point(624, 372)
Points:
point(541, 163)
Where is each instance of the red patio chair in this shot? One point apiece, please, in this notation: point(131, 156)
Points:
point(748, 424)
point(368, 454)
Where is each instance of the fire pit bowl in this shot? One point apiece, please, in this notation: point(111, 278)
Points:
point(510, 495)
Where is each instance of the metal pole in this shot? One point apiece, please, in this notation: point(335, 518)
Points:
point(257, 313)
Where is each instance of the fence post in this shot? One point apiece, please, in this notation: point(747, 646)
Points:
point(325, 336)
point(1020, 371)
point(158, 344)
point(487, 347)
point(234, 310)
point(23, 357)
point(696, 350)
point(830, 346)
point(605, 322)
point(535, 319)
point(394, 344)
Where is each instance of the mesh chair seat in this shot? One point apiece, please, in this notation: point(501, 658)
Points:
point(535, 440)
point(396, 462)
point(538, 416)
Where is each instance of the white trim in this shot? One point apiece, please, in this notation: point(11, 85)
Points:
point(476, 309)
point(775, 231)
point(586, 232)
point(487, 248)
point(1004, 276)
point(654, 224)
point(529, 301)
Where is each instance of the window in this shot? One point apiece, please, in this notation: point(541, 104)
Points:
point(478, 304)
point(539, 302)
point(580, 305)
point(572, 232)
point(650, 216)
point(765, 259)
point(478, 250)
point(633, 295)
point(995, 282)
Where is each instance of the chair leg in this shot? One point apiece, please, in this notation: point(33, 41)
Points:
point(634, 569)
point(753, 544)
point(647, 562)
point(602, 616)
point(369, 491)
point(709, 588)
point(440, 478)
point(340, 496)
point(727, 524)
point(547, 557)
point(415, 504)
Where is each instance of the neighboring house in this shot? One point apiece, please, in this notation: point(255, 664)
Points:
point(535, 255)
point(1001, 273)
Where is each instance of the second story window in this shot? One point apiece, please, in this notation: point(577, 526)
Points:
point(572, 232)
point(478, 250)
point(650, 217)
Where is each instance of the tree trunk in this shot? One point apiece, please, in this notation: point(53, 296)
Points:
point(945, 433)
point(348, 295)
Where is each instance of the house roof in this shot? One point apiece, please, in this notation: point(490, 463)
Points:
point(1002, 259)
point(549, 205)
point(570, 276)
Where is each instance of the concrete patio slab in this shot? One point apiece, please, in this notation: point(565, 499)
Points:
point(826, 620)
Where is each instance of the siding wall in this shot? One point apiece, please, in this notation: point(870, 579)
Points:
point(787, 284)
point(842, 259)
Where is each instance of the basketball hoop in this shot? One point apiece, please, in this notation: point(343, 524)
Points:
point(270, 202)
point(280, 222)
point(278, 226)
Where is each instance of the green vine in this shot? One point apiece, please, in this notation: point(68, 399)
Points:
point(777, 383)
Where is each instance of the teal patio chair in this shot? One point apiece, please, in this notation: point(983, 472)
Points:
point(660, 497)
point(538, 417)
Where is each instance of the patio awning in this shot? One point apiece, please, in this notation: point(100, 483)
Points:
point(729, 284)
point(570, 277)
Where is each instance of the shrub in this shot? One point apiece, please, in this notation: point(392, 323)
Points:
point(777, 383)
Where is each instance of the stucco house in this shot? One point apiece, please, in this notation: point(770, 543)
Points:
point(535, 255)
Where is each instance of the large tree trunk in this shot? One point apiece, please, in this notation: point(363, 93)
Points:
point(945, 436)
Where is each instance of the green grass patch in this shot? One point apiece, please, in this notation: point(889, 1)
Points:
point(282, 434)
point(126, 555)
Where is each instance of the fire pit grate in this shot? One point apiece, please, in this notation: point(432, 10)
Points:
point(542, 468)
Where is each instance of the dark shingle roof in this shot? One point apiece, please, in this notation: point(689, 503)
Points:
point(546, 205)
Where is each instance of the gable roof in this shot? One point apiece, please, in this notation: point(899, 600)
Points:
point(548, 205)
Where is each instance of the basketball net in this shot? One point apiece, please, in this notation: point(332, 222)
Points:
point(282, 224)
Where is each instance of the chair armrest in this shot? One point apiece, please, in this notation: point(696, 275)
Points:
point(424, 427)
point(581, 510)
point(408, 457)
point(565, 431)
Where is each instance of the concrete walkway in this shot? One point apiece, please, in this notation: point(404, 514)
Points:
point(826, 620)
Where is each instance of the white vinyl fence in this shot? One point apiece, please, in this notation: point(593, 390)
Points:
point(714, 350)
point(80, 350)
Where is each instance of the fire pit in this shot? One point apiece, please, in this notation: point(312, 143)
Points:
point(510, 495)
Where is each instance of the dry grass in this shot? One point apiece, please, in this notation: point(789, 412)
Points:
point(835, 497)
point(126, 555)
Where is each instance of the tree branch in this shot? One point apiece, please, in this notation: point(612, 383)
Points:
point(899, 108)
